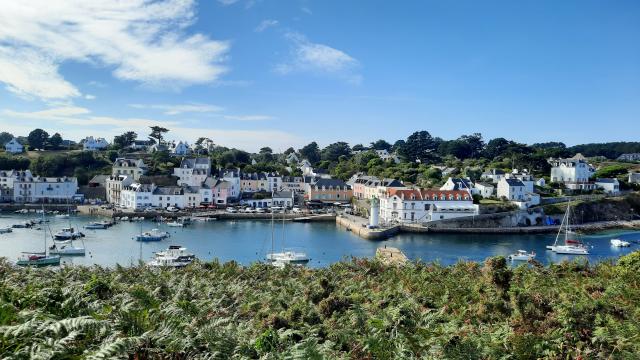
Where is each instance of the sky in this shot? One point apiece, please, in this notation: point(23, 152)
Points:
point(281, 73)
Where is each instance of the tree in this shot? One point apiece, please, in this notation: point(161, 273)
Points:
point(289, 151)
point(358, 147)
point(335, 150)
point(124, 140)
point(55, 141)
point(381, 145)
point(5, 137)
point(419, 146)
point(157, 133)
point(37, 139)
point(266, 154)
point(311, 152)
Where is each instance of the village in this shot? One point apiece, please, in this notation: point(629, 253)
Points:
point(194, 185)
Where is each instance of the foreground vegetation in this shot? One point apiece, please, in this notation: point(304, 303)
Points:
point(358, 309)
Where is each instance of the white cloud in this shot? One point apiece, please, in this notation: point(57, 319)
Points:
point(306, 10)
point(90, 97)
point(169, 109)
point(248, 117)
point(318, 58)
point(77, 122)
point(265, 24)
point(141, 40)
point(228, 2)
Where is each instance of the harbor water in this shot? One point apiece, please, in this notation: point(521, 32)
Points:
point(248, 241)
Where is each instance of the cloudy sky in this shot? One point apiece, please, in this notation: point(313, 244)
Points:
point(283, 73)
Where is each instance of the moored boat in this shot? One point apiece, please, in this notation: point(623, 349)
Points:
point(571, 245)
point(38, 259)
point(4, 230)
point(174, 256)
point(620, 243)
point(522, 255)
point(175, 224)
point(95, 225)
point(152, 235)
point(67, 234)
point(66, 248)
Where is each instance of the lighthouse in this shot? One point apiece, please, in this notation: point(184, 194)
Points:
point(374, 214)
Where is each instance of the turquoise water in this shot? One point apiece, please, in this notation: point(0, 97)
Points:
point(249, 241)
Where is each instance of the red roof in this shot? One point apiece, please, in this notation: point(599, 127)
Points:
point(428, 194)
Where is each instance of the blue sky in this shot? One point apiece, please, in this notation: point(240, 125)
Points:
point(283, 73)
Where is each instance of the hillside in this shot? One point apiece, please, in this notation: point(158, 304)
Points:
point(358, 309)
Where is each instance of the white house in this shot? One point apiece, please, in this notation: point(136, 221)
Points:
point(610, 186)
point(483, 189)
point(179, 149)
point(541, 182)
point(13, 147)
point(629, 157)
point(424, 205)
point(524, 176)
point(511, 189)
point(115, 184)
point(193, 171)
point(385, 155)
point(457, 184)
point(574, 173)
point(34, 189)
point(495, 175)
point(634, 178)
point(92, 144)
point(283, 198)
point(306, 168)
point(292, 183)
point(139, 196)
point(130, 167)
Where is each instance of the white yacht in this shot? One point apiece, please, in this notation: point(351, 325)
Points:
point(96, 225)
point(620, 243)
point(522, 255)
point(175, 256)
point(280, 259)
point(66, 247)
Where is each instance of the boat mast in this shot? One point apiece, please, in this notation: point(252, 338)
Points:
point(272, 229)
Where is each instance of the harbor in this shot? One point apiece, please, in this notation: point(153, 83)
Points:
point(247, 241)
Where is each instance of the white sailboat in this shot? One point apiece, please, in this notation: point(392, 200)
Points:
point(570, 245)
point(286, 256)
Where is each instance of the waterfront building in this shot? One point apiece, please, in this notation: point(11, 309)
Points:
point(93, 144)
point(130, 167)
point(574, 173)
point(193, 171)
point(223, 191)
point(609, 186)
point(329, 190)
point(37, 189)
point(274, 180)
point(511, 189)
point(284, 199)
point(629, 157)
point(115, 184)
point(358, 185)
point(253, 182)
point(13, 147)
point(425, 205)
point(292, 183)
point(140, 196)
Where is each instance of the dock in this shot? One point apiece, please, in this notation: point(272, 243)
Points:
point(391, 256)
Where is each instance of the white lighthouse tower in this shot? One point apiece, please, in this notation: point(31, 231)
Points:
point(374, 214)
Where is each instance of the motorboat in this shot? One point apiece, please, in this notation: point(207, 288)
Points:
point(22, 211)
point(22, 225)
point(174, 256)
point(66, 248)
point(152, 235)
point(620, 243)
point(62, 216)
point(96, 225)
point(522, 255)
point(175, 224)
point(4, 230)
point(570, 245)
point(67, 234)
point(38, 259)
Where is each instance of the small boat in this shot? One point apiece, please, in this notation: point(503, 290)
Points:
point(62, 216)
point(522, 255)
point(38, 259)
point(288, 257)
point(571, 246)
point(175, 256)
point(22, 225)
point(4, 230)
point(67, 234)
point(620, 243)
point(21, 211)
point(66, 248)
point(124, 218)
point(152, 235)
point(175, 224)
point(96, 225)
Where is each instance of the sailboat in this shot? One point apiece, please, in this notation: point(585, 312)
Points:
point(39, 258)
point(280, 259)
point(66, 247)
point(68, 233)
point(571, 245)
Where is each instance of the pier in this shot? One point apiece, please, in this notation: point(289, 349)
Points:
point(391, 256)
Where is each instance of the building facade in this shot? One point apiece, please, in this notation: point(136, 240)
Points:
point(329, 191)
point(425, 205)
point(92, 144)
point(134, 168)
point(13, 147)
point(574, 173)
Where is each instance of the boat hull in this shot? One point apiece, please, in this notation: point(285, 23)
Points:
point(48, 261)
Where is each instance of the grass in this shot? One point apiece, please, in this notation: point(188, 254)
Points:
point(358, 309)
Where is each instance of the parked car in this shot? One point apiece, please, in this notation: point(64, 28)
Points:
point(296, 210)
point(172, 209)
point(232, 210)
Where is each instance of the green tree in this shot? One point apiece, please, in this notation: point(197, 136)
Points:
point(311, 152)
point(124, 140)
point(381, 145)
point(37, 139)
point(55, 141)
point(335, 150)
point(419, 146)
point(157, 133)
point(5, 137)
